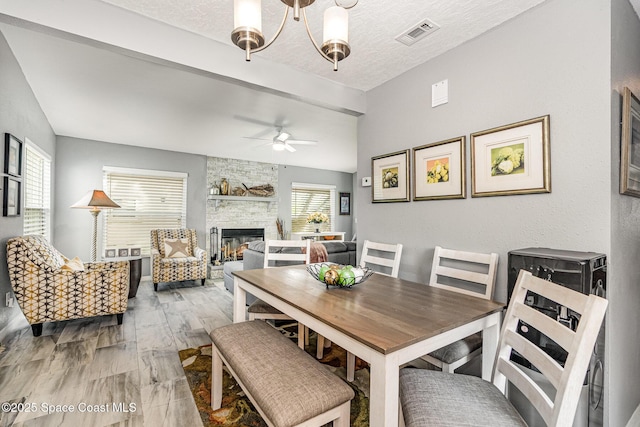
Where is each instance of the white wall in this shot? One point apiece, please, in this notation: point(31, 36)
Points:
point(623, 320)
point(20, 115)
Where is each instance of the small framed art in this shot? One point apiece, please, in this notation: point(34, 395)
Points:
point(439, 170)
point(630, 145)
point(110, 253)
point(123, 252)
point(11, 197)
point(511, 159)
point(12, 155)
point(345, 203)
point(390, 176)
point(136, 251)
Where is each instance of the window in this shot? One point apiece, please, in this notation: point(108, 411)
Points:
point(309, 198)
point(37, 192)
point(148, 199)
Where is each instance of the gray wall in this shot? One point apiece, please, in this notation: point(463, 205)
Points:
point(79, 170)
point(342, 180)
point(624, 272)
point(554, 59)
point(20, 115)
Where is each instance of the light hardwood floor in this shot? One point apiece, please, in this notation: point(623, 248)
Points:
point(97, 364)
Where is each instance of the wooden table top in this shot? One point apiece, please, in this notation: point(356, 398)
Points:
point(384, 313)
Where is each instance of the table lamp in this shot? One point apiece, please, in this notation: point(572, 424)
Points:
point(96, 200)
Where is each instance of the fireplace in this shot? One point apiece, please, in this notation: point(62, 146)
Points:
point(232, 242)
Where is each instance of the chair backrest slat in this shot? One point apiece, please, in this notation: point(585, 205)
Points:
point(463, 269)
point(567, 379)
point(394, 252)
point(303, 256)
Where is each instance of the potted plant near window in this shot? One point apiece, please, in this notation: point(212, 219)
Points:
point(317, 218)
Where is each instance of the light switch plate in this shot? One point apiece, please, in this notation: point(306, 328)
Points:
point(366, 181)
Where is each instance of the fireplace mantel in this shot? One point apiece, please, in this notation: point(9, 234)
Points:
point(217, 199)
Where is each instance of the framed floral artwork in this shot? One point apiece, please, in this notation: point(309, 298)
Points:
point(511, 159)
point(12, 155)
point(630, 145)
point(11, 199)
point(439, 170)
point(390, 177)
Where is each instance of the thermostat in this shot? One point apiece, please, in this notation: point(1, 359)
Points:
point(366, 181)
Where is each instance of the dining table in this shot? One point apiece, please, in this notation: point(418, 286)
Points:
point(385, 321)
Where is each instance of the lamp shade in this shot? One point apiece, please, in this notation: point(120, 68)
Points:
point(336, 24)
point(247, 13)
point(95, 199)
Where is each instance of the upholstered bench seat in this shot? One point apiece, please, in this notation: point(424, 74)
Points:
point(287, 385)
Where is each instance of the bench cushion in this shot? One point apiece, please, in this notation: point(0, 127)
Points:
point(288, 384)
point(458, 349)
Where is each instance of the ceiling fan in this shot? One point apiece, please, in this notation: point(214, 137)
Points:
point(283, 141)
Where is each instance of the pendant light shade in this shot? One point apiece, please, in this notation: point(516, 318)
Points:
point(336, 25)
point(247, 13)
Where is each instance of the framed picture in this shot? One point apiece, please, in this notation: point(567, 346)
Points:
point(11, 197)
point(136, 251)
point(630, 145)
point(511, 159)
point(345, 203)
point(390, 176)
point(123, 252)
point(110, 253)
point(439, 170)
point(12, 155)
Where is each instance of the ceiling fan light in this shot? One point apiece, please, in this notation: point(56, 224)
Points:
point(247, 13)
point(279, 146)
point(283, 136)
point(336, 25)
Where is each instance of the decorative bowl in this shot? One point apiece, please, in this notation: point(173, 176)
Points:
point(360, 274)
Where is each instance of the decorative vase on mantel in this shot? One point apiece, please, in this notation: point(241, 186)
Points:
point(317, 230)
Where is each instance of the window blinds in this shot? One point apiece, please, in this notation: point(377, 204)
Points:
point(148, 200)
point(37, 192)
point(310, 198)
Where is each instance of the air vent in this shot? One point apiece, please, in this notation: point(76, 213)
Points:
point(417, 32)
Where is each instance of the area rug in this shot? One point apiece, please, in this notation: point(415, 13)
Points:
point(236, 408)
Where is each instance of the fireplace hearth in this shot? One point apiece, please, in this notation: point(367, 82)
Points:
point(231, 243)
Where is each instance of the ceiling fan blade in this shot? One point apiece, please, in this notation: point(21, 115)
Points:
point(289, 148)
point(301, 142)
point(260, 139)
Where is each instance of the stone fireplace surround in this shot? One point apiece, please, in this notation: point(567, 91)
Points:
point(249, 213)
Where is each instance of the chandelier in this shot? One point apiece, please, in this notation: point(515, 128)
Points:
point(247, 34)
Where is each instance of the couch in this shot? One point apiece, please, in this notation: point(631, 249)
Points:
point(253, 258)
point(50, 287)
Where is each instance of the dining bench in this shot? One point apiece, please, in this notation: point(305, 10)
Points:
point(287, 386)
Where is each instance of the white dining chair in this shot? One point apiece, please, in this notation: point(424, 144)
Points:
point(290, 251)
point(438, 398)
point(469, 273)
point(384, 258)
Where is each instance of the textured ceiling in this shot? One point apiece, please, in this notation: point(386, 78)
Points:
point(373, 25)
point(164, 73)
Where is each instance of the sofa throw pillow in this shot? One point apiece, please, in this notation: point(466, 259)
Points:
point(74, 264)
point(176, 248)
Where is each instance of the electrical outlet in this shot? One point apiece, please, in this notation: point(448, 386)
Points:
point(9, 299)
point(366, 182)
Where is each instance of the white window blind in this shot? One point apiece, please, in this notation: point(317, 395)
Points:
point(148, 200)
point(37, 192)
point(310, 198)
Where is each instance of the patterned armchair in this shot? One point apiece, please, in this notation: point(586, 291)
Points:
point(49, 287)
point(175, 256)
